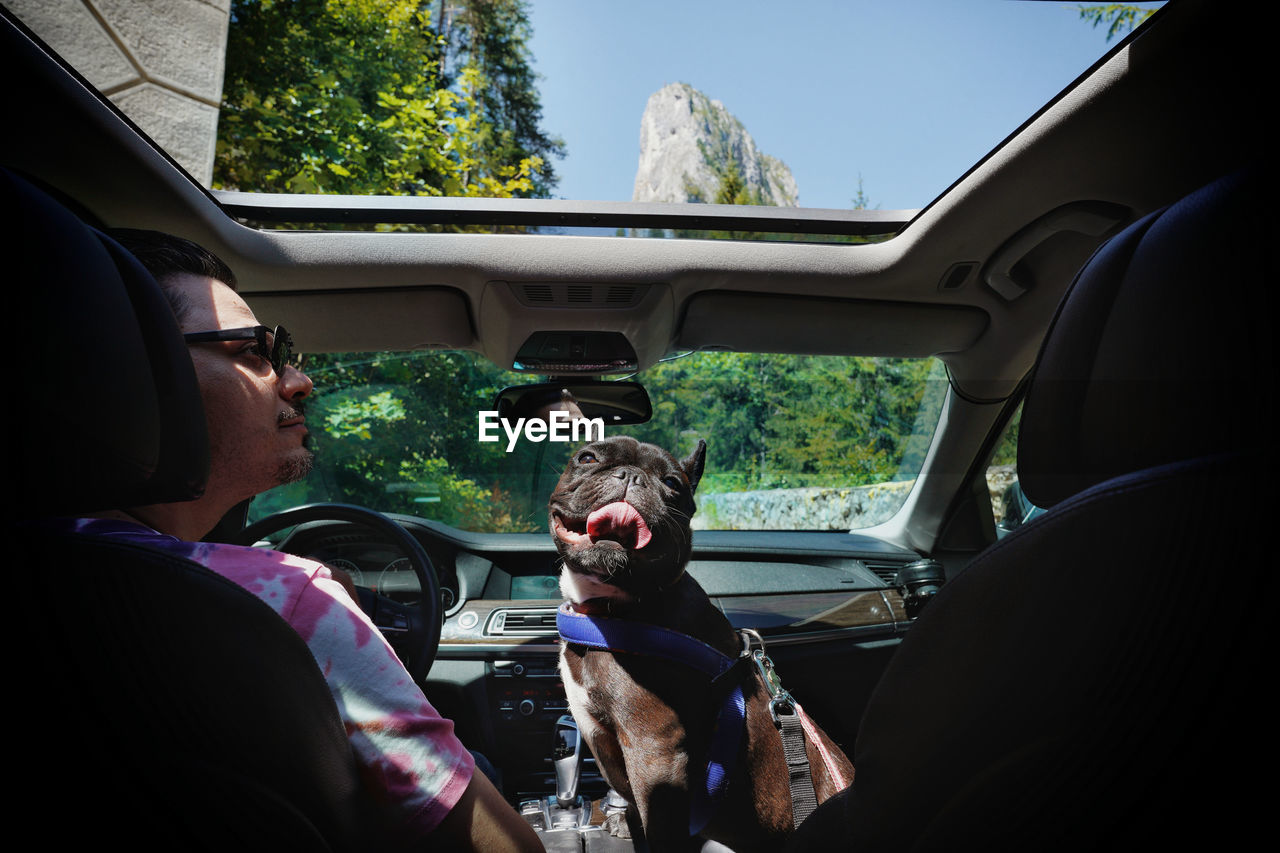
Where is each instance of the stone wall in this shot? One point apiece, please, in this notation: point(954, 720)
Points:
point(159, 61)
point(824, 509)
point(1000, 478)
point(801, 509)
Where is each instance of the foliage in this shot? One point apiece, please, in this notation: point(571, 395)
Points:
point(345, 96)
point(860, 200)
point(355, 414)
point(398, 433)
point(1006, 452)
point(790, 421)
point(1117, 17)
point(460, 502)
point(733, 189)
point(493, 36)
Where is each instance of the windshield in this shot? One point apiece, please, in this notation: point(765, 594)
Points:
point(793, 442)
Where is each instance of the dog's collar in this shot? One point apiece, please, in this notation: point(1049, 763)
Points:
point(587, 624)
point(642, 638)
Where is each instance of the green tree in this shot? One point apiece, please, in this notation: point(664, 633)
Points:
point(493, 36)
point(845, 421)
point(860, 200)
point(788, 421)
point(732, 188)
point(1118, 18)
point(398, 433)
point(345, 96)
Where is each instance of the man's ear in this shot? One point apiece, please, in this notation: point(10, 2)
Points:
point(692, 464)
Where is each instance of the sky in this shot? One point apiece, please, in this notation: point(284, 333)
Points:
point(904, 94)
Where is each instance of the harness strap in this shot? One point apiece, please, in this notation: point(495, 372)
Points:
point(803, 798)
point(622, 635)
point(626, 635)
point(727, 676)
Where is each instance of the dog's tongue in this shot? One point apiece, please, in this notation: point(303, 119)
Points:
point(621, 522)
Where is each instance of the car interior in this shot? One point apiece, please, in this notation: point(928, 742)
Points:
point(1089, 678)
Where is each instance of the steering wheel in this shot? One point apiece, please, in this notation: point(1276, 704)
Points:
point(413, 631)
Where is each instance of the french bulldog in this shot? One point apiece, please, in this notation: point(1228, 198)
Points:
point(620, 517)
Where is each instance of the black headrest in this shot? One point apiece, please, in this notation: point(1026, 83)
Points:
point(108, 412)
point(1160, 351)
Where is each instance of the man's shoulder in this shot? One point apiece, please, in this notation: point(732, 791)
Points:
point(252, 567)
point(112, 528)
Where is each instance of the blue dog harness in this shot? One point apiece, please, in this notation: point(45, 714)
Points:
point(631, 637)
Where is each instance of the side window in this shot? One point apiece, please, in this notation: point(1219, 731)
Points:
point(1008, 504)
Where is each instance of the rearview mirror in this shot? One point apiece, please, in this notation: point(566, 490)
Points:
point(615, 403)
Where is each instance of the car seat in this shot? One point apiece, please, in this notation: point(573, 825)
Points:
point(165, 706)
point(1096, 679)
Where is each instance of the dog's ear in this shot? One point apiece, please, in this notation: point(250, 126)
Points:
point(692, 464)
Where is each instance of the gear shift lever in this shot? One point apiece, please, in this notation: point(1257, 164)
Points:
point(567, 755)
point(564, 810)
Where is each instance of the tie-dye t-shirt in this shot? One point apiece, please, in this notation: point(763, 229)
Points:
point(406, 748)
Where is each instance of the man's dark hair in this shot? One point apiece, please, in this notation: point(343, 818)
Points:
point(165, 255)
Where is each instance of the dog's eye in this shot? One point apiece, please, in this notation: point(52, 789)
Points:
point(586, 458)
point(672, 482)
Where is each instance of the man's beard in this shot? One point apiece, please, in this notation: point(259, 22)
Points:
point(299, 464)
point(296, 466)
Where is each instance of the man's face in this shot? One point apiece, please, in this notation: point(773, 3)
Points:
point(256, 428)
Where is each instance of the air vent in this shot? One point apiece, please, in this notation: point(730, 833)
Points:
point(887, 572)
point(540, 294)
point(621, 295)
point(522, 622)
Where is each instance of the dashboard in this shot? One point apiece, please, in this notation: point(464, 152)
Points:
point(824, 602)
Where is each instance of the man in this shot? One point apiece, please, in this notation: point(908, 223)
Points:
point(253, 402)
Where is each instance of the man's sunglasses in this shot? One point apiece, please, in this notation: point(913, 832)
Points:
point(273, 345)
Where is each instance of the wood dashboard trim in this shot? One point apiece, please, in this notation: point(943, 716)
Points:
point(832, 616)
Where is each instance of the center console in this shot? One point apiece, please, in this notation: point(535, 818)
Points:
point(523, 695)
point(526, 700)
point(559, 790)
point(568, 819)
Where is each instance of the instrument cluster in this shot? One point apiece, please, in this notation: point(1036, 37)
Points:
point(386, 572)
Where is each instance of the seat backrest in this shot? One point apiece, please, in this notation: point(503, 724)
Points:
point(1157, 353)
point(1089, 681)
point(171, 706)
point(114, 413)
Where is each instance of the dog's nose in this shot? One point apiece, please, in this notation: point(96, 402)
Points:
point(631, 475)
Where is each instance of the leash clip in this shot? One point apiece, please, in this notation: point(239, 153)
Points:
point(780, 701)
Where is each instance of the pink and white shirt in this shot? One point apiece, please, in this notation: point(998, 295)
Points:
point(406, 749)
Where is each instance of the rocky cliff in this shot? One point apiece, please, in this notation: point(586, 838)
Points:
point(687, 141)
